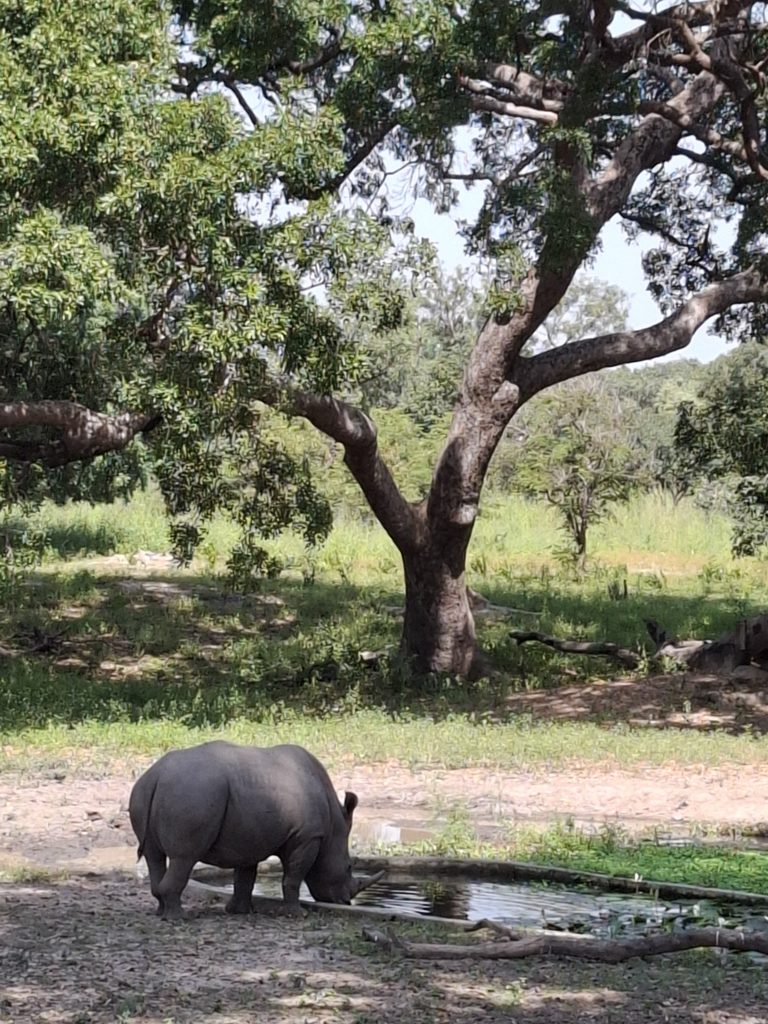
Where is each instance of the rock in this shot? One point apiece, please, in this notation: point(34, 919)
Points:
point(749, 674)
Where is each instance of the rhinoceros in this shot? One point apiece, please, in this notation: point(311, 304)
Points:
point(233, 806)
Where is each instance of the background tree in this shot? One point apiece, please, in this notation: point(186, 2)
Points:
point(590, 307)
point(417, 364)
point(580, 452)
point(723, 434)
point(654, 394)
point(207, 230)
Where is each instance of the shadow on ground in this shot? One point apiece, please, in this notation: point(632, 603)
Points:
point(90, 951)
point(127, 642)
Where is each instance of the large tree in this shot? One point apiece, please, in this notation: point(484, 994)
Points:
point(159, 255)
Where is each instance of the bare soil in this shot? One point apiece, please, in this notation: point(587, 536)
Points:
point(87, 949)
point(682, 700)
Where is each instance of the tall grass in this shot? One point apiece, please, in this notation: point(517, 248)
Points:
point(511, 533)
point(79, 529)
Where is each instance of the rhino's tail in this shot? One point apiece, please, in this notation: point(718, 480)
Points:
point(144, 824)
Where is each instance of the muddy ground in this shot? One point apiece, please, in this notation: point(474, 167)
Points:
point(87, 949)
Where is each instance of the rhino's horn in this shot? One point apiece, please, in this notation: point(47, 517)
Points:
point(360, 882)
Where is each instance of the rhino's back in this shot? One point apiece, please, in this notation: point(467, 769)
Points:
point(232, 805)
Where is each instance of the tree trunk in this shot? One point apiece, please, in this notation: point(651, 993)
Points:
point(438, 628)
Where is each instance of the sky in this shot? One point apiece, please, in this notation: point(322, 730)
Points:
point(618, 263)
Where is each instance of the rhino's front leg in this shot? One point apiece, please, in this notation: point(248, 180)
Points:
point(241, 899)
point(296, 867)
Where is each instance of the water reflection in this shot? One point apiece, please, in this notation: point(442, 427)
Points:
point(517, 903)
point(526, 905)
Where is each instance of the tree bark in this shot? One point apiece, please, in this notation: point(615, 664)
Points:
point(432, 537)
point(438, 626)
point(83, 433)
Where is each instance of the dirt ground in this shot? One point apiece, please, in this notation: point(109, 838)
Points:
point(87, 949)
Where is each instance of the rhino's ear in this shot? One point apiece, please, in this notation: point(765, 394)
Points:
point(350, 803)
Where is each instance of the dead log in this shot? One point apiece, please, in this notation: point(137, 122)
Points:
point(746, 643)
point(626, 657)
point(519, 944)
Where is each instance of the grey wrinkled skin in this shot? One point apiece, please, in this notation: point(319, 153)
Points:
point(232, 806)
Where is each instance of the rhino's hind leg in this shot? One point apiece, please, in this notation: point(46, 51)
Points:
point(156, 864)
point(241, 899)
point(173, 884)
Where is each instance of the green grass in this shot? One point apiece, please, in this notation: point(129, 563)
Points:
point(369, 736)
point(608, 852)
point(138, 673)
point(511, 531)
point(24, 874)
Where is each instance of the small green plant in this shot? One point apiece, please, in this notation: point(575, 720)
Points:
point(208, 552)
point(22, 548)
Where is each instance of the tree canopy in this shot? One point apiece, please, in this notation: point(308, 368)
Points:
point(722, 433)
point(195, 210)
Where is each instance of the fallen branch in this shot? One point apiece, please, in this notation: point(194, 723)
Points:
point(621, 654)
point(42, 643)
point(749, 641)
point(521, 944)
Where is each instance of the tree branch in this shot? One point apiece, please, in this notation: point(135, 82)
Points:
point(364, 150)
point(529, 106)
point(84, 433)
point(497, 379)
point(491, 105)
point(549, 94)
point(234, 88)
point(652, 142)
point(700, 247)
point(357, 433)
point(534, 373)
point(621, 654)
point(684, 121)
point(520, 943)
point(323, 57)
point(729, 72)
point(710, 160)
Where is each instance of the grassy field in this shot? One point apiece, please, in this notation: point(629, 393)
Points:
point(649, 532)
point(119, 666)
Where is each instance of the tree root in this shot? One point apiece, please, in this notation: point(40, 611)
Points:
point(520, 943)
